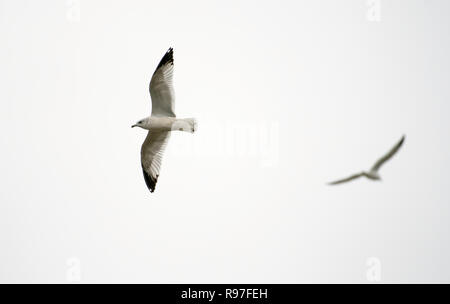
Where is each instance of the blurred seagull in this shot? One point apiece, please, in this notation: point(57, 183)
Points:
point(162, 120)
point(373, 173)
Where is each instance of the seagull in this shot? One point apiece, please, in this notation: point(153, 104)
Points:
point(162, 120)
point(373, 172)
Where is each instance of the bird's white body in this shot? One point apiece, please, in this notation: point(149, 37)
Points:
point(157, 124)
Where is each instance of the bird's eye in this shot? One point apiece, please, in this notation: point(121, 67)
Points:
point(140, 122)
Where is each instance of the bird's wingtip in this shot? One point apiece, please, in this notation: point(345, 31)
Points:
point(149, 181)
point(167, 58)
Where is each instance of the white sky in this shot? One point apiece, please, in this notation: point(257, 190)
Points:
point(289, 95)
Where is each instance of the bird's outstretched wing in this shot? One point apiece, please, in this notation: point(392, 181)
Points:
point(386, 157)
point(151, 156)
point(161, 88)
point(352, 177)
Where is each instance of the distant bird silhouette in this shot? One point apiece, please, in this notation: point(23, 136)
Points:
point(373, 172)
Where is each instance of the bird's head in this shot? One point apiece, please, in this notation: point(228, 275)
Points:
point(143, 123)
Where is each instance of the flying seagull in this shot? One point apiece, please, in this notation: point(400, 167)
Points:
point(373, 172)
point(162, 120)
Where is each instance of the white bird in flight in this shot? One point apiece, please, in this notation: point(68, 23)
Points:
point(162, 120)
point(373, 172)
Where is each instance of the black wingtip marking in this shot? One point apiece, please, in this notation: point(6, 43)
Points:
point(149, 181)
point(167, 58)
point(400, 143)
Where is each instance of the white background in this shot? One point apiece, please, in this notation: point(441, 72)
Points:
point(320, 89)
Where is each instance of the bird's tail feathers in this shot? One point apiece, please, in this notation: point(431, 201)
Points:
point(185, 124)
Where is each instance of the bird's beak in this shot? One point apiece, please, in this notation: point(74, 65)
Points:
point(134, 126)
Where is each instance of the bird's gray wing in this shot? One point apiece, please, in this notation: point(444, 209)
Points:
point(161, 87)
point(151, 156)
point(387, 156)
point(352, 177)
